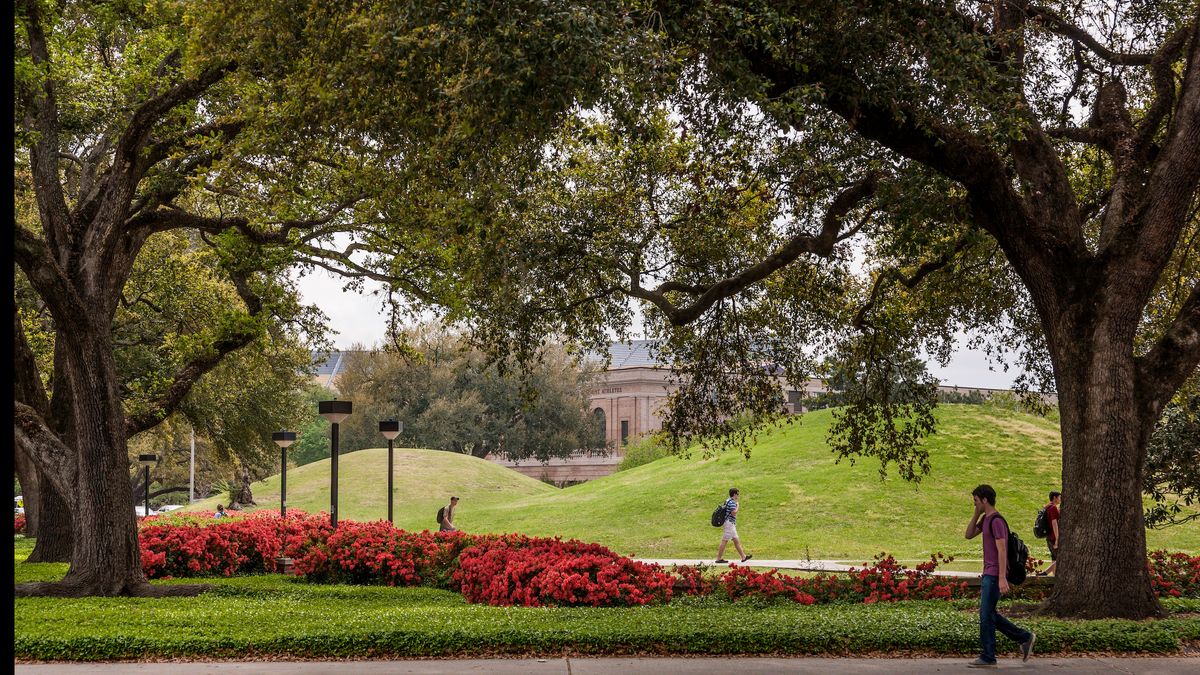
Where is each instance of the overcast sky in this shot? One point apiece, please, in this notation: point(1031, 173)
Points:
point(362, 319)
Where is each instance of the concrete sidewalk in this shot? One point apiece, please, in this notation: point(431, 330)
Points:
point(636, 666)
point(802, 565)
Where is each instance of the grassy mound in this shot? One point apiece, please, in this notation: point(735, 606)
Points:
point(423, 481)
point(796, 502)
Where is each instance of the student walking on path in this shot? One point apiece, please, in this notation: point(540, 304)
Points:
point(729, 529)
point(988, 521)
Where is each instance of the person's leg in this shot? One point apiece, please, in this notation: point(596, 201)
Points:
point(737, 543)
point(1053, 560)
point(989, 595)
point(721, 548)
point(1011, 630)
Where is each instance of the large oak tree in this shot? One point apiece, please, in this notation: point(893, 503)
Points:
point(859, 180)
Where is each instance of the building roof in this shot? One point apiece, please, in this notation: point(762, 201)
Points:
point(328, 365)
point(633, 354)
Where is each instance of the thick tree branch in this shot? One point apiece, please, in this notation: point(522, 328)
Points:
point(821, 244)
point(1163, 78)
point(1154, 230)
point(47, 277)
point(133, 140)
point(190, 373)
point(49, 453)
point(1162, 371)
point(910, 281)
point(52, 203)
point(1057, 24)
point(27, 381)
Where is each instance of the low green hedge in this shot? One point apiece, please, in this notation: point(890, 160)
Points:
point(275, 615)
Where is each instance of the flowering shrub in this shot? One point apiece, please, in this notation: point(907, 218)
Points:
point(19, 524)
point(1174, 574)
point(692, 581)
point(365, 553)
point(518, 570)
point(202, 546)
point(884, 581)
point(515, 569)
point(743, 582)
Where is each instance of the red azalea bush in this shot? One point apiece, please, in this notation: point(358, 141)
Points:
point(1174, 575)
point(190, 546)
point(884, 581)
point(19, 524)
point(518, 570)
point(377, 552)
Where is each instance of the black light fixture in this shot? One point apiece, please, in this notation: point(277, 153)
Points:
point(390, 430)
point(336, 412)
point(147, 461)
point(283, 438)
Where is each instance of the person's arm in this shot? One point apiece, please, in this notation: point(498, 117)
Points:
point(974, 527)
point(1002, 554)
point(1054, 525)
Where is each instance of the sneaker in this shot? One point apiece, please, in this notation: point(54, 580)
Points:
point(980, 663)
point(721, 561)
point(1027, 648)
point(748, 557)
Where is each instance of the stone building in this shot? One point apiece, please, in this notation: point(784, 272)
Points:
point(630, 394)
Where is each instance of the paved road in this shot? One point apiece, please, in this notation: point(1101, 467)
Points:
point(636, 666)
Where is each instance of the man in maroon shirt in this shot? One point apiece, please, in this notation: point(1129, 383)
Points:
point(1052, 535)
point(991, 524)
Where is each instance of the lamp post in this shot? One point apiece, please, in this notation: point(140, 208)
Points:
point(283, 438)
point(390, 430)
point(147, 461)
point(335, 411)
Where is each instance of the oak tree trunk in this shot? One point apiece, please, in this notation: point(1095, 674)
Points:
point(1102, 558)
point(105, 560)
point(27, 473)
point(54, 538)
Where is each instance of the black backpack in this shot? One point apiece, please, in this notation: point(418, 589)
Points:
point(1041, 526)
point(1018, 554)
point(441, 515)
point(719, 516)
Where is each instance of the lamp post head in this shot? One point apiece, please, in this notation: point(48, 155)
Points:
point(390, 428)
point(283, 438)
point(335, 411)
point(148, 460)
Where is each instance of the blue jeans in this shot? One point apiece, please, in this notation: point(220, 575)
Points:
point(990, 620)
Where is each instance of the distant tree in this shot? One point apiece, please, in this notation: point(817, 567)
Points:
point(1172, 473)
point(450, 398)
point(312, 438)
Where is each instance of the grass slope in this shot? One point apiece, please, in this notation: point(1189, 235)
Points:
point(796, 502)
point(423, 481)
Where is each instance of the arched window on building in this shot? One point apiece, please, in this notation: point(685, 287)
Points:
point(600, 423)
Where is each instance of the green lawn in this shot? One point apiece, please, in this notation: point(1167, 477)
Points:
point(797, 502)
point(275, 615)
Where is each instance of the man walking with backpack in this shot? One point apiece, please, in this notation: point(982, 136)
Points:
point(445, 516)
point(1052, 531)
point(729, 530)
point(991, 524)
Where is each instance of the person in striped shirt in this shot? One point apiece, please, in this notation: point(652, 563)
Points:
point(730, 529)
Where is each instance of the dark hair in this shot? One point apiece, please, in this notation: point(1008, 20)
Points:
point(986, 493)
point(454, 499)
point(1054, 493)
point(733, 491)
